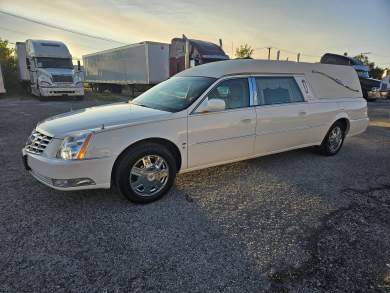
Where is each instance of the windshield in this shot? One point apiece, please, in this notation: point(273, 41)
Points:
point(46, 62)
point(174, 94)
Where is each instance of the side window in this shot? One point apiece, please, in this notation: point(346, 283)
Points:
point(235, 93)
point(277, 90)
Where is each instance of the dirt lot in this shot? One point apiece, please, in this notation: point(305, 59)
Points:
point(292, 222)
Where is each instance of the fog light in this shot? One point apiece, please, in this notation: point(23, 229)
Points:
point(76, 182)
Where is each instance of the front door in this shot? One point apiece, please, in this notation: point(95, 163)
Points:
point(225, 135)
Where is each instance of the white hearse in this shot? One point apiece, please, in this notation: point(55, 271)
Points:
point(205, 116)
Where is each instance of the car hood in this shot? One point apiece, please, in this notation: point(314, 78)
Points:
point(100, 117)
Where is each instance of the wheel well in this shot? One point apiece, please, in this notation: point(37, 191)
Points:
point(168, 144)
point(345, 123)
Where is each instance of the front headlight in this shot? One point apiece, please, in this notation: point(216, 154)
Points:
point(44, 83)
point(75, 147)
point(44, 80)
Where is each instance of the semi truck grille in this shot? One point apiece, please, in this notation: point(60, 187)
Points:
point(37, 142)
point(62, 78)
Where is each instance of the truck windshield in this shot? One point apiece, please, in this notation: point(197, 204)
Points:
point(46, 62)
point(174, 94)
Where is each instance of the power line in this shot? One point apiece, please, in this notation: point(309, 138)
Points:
point(288, 51)
point(60, 28)
point(27, 34)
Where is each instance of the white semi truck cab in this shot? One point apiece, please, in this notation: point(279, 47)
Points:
point(46, 69)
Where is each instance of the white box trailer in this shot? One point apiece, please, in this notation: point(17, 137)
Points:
point(145, 63)
point(2, 87)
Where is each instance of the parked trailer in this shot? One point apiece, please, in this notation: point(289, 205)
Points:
point(2, 87)
point(145, 63)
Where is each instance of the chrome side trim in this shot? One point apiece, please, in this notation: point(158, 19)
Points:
point(222, 139)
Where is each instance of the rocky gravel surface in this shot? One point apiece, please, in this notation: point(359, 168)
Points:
point(291, 222)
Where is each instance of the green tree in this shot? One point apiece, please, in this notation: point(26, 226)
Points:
point(244, 51)
point(374, 71)
point(8, 65)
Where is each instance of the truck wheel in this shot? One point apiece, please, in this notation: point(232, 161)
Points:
point(28, 89)
point(145, 173)
point(333, 140)
point(365, 94)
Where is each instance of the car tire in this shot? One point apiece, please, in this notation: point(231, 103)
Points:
point(145, 173)
point(333, 140)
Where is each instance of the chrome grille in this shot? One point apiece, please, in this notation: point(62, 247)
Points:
point(62, 78)
point(37, 142)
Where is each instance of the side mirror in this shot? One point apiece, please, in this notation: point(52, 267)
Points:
point(28, 63)
point(78, 65)
point(213, 105)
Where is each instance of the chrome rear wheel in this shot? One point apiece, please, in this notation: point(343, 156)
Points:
point(334, 139)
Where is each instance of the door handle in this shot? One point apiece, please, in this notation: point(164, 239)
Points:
point(246, 120)
point(302, 113)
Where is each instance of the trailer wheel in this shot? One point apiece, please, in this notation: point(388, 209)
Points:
point(116, 89)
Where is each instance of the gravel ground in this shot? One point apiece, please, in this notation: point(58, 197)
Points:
point(292, 222)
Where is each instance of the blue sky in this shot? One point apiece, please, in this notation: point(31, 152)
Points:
point(309, 27)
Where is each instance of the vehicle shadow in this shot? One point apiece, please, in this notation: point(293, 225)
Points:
point(308, 221)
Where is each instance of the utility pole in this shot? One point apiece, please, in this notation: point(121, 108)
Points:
point(269, 53)
point(298, 57)
point(278, 55)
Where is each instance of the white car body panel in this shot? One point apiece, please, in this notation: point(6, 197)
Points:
point(220, 136)
point(209, 138)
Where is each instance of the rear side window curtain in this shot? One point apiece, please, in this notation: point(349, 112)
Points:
point(277, 90)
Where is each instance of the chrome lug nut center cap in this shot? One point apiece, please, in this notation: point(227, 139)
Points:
point(151, 177)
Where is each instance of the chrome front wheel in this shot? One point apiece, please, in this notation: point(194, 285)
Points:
point(149, 175)
point(145, 172)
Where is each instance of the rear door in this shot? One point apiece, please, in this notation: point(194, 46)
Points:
point(281, 114)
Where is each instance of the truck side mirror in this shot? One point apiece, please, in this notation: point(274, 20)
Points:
point(78, 65)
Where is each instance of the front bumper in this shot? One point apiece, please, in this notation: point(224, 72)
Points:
point(61, 91)
point(69, 175)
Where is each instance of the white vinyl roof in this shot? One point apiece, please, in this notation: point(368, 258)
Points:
point(326, 80)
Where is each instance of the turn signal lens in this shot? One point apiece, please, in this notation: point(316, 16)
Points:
point(83, 150)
